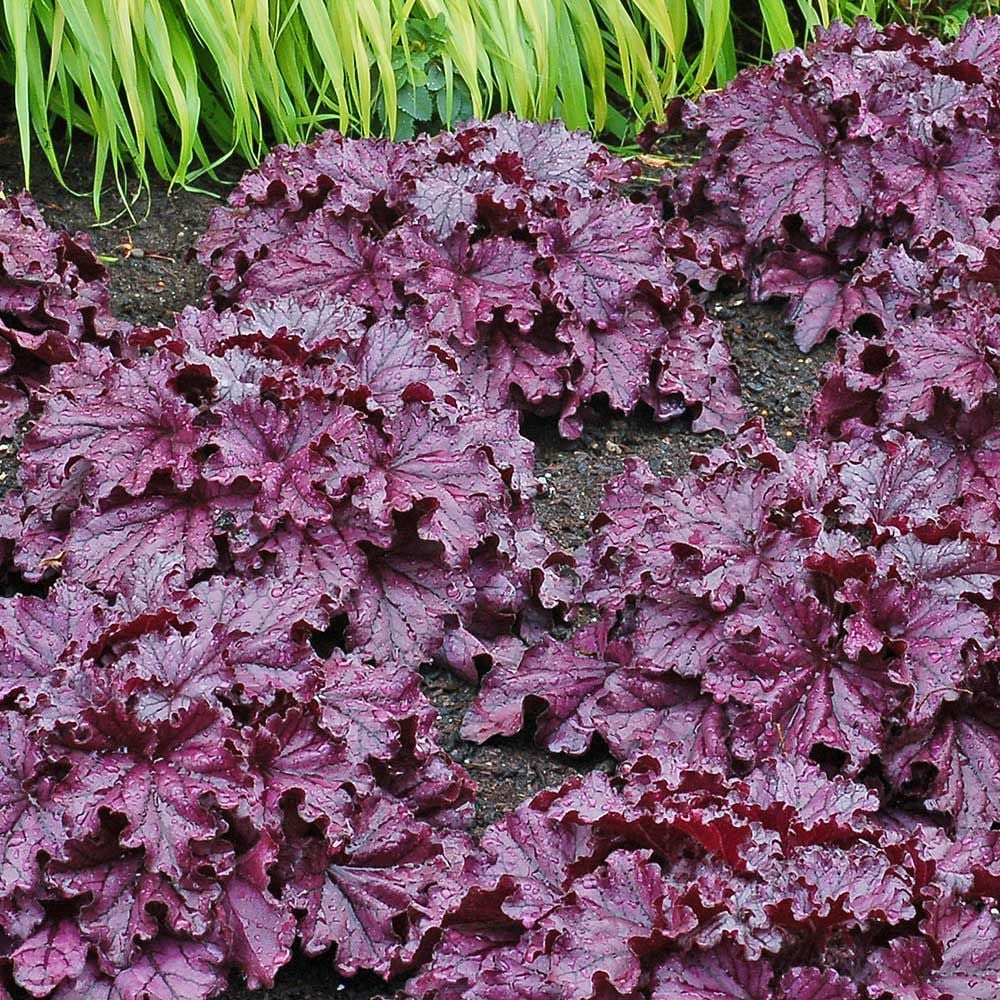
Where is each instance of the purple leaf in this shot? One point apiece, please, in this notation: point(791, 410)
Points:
point(56, 953)
point(138, 426)
point(721, 974)
point(566, 678)
point(928, 635)
point(177, 527)
point(163, 788)
point(118, 889)
point(963, 752)
point(402, 610)
point(553, 159)
point(944, 185)
point(360, 897)
point(963, 962)
point(817, 984)
point(169, 969)
point(300, 763)
point(432, 462)
point(259, 928)
point(29, 825)
point(328, 257)
point(264, 445)
point(464, 285)
point(599, 260)
point(820, 301)
point(795, 166)
point(617, 915)
point(37, 635)
point(651, 712)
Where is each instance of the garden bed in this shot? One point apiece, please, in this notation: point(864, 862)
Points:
point(153, 275)
point(238, 529)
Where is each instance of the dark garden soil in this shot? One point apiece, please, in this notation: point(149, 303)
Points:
point(152, 276)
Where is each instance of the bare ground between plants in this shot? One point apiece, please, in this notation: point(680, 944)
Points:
point(152, 277)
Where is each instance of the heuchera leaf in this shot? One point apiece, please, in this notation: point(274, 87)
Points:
point(719, 973)
point(29, 826)
point(944, 185)
point(463, 285)
point(360, 898)
point(960, 960)
point(796, 166)
point(258, 928)
point(933, 376)
point(597, 259)
point(136, 427)
point(173, 970)
point(46, 959)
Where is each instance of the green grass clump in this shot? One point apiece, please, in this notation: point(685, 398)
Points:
point(176, 86)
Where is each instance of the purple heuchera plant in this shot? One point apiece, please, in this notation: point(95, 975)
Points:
point(294, 444)
point(186, 787)
point(935, 372)
point(837, 603)
point(867, 140)
point(666, 883)
point(512, 243)
point(53, 298)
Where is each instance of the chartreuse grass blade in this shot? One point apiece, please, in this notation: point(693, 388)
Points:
point(581, 20)
point(177, 85)
point(777, 25)
point(18, 15)
point(468, 48)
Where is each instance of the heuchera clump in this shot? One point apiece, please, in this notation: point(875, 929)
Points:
point(815, 166)
point(668, 883)
point(185, 786)
point(836, 603)
point(934, 371)
point(53, 297)
point(510, 242)
point(296, 445)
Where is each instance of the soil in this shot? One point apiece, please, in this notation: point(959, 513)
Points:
point(153, 276)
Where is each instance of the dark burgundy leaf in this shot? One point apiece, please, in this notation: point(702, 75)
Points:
point(943, 185)
point(137, 427)
point(363, 897)
point(795, 166)
point(464, 285)
point(599, 259)
point(259, 927)
point(29, 824)
point(721, 974)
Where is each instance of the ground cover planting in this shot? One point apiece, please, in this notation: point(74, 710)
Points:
point(236, 538)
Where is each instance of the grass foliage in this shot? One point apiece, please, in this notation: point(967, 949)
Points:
point(177, 85)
